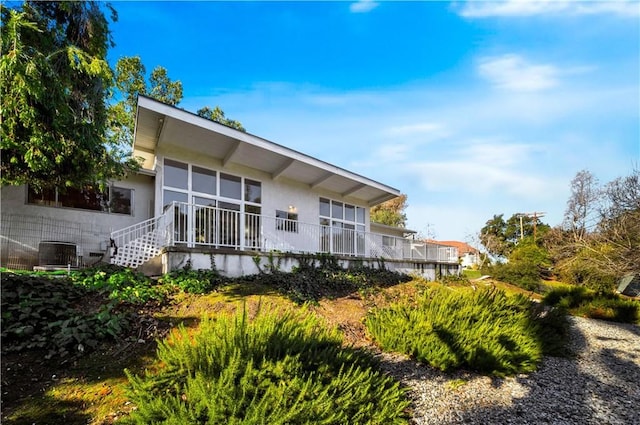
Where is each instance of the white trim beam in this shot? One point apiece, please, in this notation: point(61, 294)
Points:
point(321, 180)
point(354, 189)
point(231, 153)
point(280, 170)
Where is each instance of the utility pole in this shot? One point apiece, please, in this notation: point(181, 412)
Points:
point(535, 215)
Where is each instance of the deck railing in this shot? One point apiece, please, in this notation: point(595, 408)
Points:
point(198, 225)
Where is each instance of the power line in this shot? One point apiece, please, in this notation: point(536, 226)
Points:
point(535, 215)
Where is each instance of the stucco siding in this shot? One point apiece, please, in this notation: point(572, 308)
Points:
point(25, 225)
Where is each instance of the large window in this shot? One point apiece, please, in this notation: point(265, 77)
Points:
point(287, 221)
point(116, 200)
point(343, 227)
point(221, 201)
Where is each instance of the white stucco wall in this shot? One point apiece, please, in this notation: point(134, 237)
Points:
point(25, 225)
point(277, 194)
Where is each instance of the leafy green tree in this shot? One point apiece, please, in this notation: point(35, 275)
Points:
point(163, 89)
point(216, 114)
point(130, 81)
point(391, 212)
point(54, 79)
point(500, 237)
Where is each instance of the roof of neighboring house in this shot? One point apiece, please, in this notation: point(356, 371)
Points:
point(463, 247)
point(385, 228)
point(162, 126)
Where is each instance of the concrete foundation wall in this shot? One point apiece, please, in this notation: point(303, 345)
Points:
point(237, 263)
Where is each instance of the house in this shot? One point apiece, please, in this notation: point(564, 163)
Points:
point(468, 256)
point(209, 195)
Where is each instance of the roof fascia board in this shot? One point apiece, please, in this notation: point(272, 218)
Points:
point(196, 120)
point(381, 199)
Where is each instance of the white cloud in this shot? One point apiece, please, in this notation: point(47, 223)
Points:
point(525, 8)
point(465, 152)
point(413, 129)
point(471, 175)
point(512, 72)
point(363, 6)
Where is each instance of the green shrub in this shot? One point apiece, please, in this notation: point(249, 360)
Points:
point(527, 265)
point(581, 301)
point(312, 281)
point(523, 274)
point(276, 369)
point(582, 270)
point(54, 315)
point(123, 284)
point(485, 330)
point(199, 281)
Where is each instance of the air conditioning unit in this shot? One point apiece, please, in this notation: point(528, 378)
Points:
point(55, 253)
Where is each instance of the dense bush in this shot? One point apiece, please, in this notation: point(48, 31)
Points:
point(527, 265)
point(122, 284)
point(52, 314)
point(522, 274)
point(584, 271)
point(582, 301)
point(198, 281)
point(276, 369)
point(484, 330)
point(320, 276)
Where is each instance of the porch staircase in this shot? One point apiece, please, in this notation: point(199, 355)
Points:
point(137, 244)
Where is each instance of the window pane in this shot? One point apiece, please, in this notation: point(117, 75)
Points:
point(204, 201)
point(287, 221)
point(86, 199)
point(252, 209)
point(229, 206)
point(336, 210)
point(325, 209)
point(175, 174)
point(252, 191)
point(350, 213)
point(230, 186)
point(169, 196)
point(203, 180)
point(120, 202)
point(360, 214)
point(46, 197)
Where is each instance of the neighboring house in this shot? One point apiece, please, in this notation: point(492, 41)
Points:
point(209, 195)
point(468, 256)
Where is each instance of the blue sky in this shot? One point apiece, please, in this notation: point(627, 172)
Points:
point(470, 108)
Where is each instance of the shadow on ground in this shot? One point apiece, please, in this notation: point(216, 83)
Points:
point(598, 385)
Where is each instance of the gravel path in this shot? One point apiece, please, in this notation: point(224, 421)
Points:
point(599, 385)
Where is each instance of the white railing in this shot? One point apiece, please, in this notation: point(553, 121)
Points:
point(198, 225)
point(136, 244)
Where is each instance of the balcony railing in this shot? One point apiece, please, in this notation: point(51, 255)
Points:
point(194, 225)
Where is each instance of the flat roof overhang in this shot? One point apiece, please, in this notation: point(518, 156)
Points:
point(159, 125)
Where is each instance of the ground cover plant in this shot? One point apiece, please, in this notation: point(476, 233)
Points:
point(321, 275)
point(585, 302)
point(121, 283)
point(277, 368)
point(198, 281)
point(52, 315)
point(484, 330)
point(74, 390)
